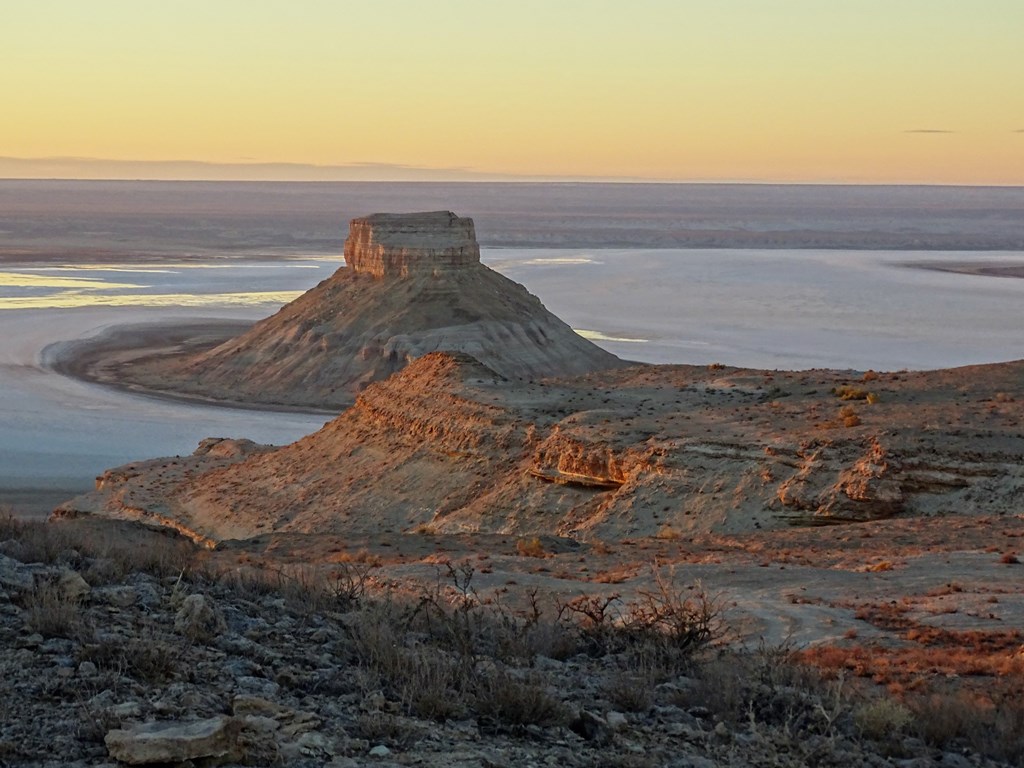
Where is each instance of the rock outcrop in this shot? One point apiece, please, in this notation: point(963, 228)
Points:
point(413, 285)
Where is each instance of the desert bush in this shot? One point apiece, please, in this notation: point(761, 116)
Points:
point(848, 416)
point(768, 687)
point(533, 547)
point(307, 591)
point(994, 728)
point(502, 700)
point(665, 624)
point(941, 719)
point(145, 658)
point(684, 617)
point(631, 692)
point(429, 684)
point(881, 718)
point(32, 542)
point(95, 722)
point(668, 533)
point(847, 392)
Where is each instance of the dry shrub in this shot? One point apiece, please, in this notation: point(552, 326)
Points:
point(531, 548)
point(883, 565)
point(10, 526)
point(847, 392)
point(362, 557)
point(668, 533)
point(848, 416)
point(869, 375)
point(668, 622)
point(599, 547)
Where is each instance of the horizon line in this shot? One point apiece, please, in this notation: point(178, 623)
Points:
point(71, 168)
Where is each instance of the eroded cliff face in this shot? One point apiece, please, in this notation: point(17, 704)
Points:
point(450, 445)
point(390, 245)
point(414, 285)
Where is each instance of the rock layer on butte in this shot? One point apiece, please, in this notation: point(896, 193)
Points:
point(446, 445)
point(413, 284)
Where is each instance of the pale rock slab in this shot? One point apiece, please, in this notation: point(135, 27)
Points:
point(173, 742)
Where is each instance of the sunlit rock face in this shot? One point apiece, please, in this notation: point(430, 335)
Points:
point(413, 284)
point(399, 244)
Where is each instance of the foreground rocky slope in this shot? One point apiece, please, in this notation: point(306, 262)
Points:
point(448, 445)
point(118, 645)
point(413, 284)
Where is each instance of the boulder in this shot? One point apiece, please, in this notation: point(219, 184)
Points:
point(173, 742)
point(198, 617)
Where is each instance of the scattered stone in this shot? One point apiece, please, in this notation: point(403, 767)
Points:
point(379, 751)
point(616, 720)
point(118, 596)
point(14, 575)
point(126, 710)
point(590, 727)
point(71, 585)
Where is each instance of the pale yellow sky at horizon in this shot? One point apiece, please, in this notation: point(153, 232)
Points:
point(894, 91)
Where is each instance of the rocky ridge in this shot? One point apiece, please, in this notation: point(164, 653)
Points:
point(448, 446)
point(413, 284)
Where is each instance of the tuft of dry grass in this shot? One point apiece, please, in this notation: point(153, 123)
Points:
point(52, 613)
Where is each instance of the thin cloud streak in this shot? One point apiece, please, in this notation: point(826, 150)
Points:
point(929, 130)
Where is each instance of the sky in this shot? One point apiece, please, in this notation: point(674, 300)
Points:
point(847, 91)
